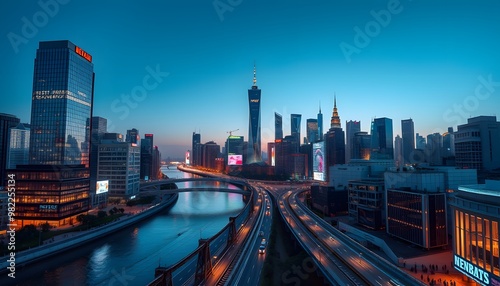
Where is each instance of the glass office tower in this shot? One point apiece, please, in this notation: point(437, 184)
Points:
point(254, 148)
point(381, 136)
point(63, 88)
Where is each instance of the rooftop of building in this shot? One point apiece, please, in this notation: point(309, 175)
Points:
point(489, 188)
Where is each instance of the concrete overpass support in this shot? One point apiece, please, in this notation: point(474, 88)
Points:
point(204, 265)
point(163, 277)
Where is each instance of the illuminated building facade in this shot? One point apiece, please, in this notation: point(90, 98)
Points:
point(254, 147)
point(50, 193)
point(476, 217)
point(334, 141)
point(119, 163)
point(63, 89)
point(234, 150)
point(55, 186)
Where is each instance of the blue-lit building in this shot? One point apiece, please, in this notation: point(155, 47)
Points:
point(278, 126)
point(63, 88)
point(295, 128)
point(312, 130)
point(254, 147)
point(381, 139)
point(195, 154)
point(55, 186)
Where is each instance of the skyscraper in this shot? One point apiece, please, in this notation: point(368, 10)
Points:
point(147, 147)
point(254, 149)
point(312, 130)
point(334, 141)
point(295, 128)
point(278, 126)
point(63, 89)
point(55, 187)
point(320, 124)
point(6, 121)
point(195, 156)
point(398, 151)
point(408, 143)
point(351, 128)
point(381, 136)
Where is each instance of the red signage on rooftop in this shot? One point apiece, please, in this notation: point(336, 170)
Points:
point(83, 54)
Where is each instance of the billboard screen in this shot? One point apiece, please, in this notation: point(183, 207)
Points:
point(101, 187)
point(318, 155)
point(233, 160)
point(187, 158)
point(273, 157)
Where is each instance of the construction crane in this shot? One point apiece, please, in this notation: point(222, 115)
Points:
point(231, 132)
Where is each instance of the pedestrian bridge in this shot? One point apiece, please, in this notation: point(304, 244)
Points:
point(240, 185)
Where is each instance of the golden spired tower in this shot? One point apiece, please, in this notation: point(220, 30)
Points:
point(335, 121)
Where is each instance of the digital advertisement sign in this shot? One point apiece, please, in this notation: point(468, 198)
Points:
point(234, 160)
point(101, 187)
point(318, 155)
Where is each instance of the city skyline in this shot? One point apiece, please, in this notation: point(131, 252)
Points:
point(432, 63)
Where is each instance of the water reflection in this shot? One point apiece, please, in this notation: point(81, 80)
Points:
point(133, 253)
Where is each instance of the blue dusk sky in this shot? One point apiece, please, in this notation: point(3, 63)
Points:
point(174, 67)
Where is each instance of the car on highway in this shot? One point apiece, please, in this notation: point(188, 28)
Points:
point(262, 249)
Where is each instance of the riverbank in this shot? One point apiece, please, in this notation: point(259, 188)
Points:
point(73, 239)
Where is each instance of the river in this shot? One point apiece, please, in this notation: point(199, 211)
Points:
point(129, 256)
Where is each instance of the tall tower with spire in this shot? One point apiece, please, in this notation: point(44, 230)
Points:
point(320, 124)
point(254, 142)
point(335, 121)
point(334, 141)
